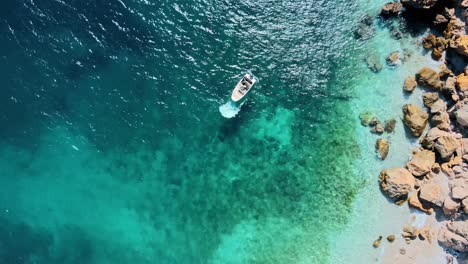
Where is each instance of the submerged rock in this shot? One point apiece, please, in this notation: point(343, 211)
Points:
point(415, 118)
point(377, 242)
point(421, 163)
point(382, 146)
point(373, 63)
point(410, 84)
point(410, 232)
point(454, 235)
point(396, 182)
point(391, 238)
point(390, 125)
point(429, 78)
point(366, 118)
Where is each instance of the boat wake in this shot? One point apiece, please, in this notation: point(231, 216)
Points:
point(229, 109)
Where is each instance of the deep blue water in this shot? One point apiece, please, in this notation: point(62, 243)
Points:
point(113, 150)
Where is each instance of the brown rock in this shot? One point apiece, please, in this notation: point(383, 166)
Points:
point(446, 145)
point(430, 98)
point(415, 118)
point(429, 41)
point(377, 242)
point(462, 115)
point(377, 129)
point(421, 163)
point(460, 44)
point(436, 168)
point(459, 189)
point(410, 84)
point(426, 233)
point(414, 202)
point(454, 235)
point(422, 4)
point(393, 59)
point(432, 193)
point(450, 206)
point(438, 106)
point(429, 78)
point(391, 9)
point(440, 20)
point(465, 205)
point(410, 232)
point(396, 182)
point(428, 141)
point(390, 125)
point(382, 146)
point(441, 121)
point(462, 82)
point(391, 238)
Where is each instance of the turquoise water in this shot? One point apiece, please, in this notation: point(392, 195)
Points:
point(113, 150)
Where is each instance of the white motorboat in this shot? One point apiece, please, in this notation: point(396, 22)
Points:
point(243, 87)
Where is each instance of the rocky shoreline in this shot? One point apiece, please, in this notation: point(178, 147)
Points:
point(435, 179)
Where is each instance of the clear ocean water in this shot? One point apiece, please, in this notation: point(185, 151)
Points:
point(112, 148)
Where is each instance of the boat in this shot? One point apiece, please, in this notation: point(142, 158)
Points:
point(243, 87)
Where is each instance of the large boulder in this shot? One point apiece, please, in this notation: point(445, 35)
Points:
point(462, 115)
point(421, 163)
point(432, 193)
point(428, 141)
point(410, 84)
point(424, 4)
point(460, 44)
point(382, 147)
point(454, 235)
point(396, 182)
point(430, 98)
point(446, 145)
point(415, 118)
point(429, 78)
point(462, 82)
point(391, 9)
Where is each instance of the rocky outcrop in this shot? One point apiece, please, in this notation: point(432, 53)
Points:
point(432, 193)
point(454, 235)
point(396, 182)
point(428, 141)
point(424, 4)
point(446, 146)
point(410, 84)
point(421, 163)
point(415, 119)
point(414, 202)
point(382, 146)
point(427, 77)
point(391, 9)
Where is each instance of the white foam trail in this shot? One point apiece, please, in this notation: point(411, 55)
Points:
point(229, 109)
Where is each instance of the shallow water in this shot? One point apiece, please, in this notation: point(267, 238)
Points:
point(113, 149)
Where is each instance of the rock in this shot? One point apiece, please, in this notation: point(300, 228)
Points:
point(393, 59)
point(441, 120)
point(390, 125)
point(432, 135)
point(422, 4)
point(462, 82)
point(459, 189)
point(426, 233)
point(429, 78)
point(363, 31)
point(366, 118)
point(449, 13)
point(445, 73)
point(462, 115)
point(391, 9)
point(421, 163)
point(373, 63)
point(396, 182)
point(377, 242)
point(391, 238)
point(414, 202)
point(437, 53)
point(438, 107)
point(460, 44)
point(440, 20)
point(377, 129)
point(430, 98)
point(396, 33)
point(465, 205)
point(410, 84)
point(454, 235)
point(382, 147)
point(450, 206)
point(446, 145)
point(415, 118)
point(432, 193)
point(410, 232)
point(435, 168)
point(429, 41)
point(450, 85)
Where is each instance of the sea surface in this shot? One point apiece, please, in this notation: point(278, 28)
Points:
point(112, 148)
